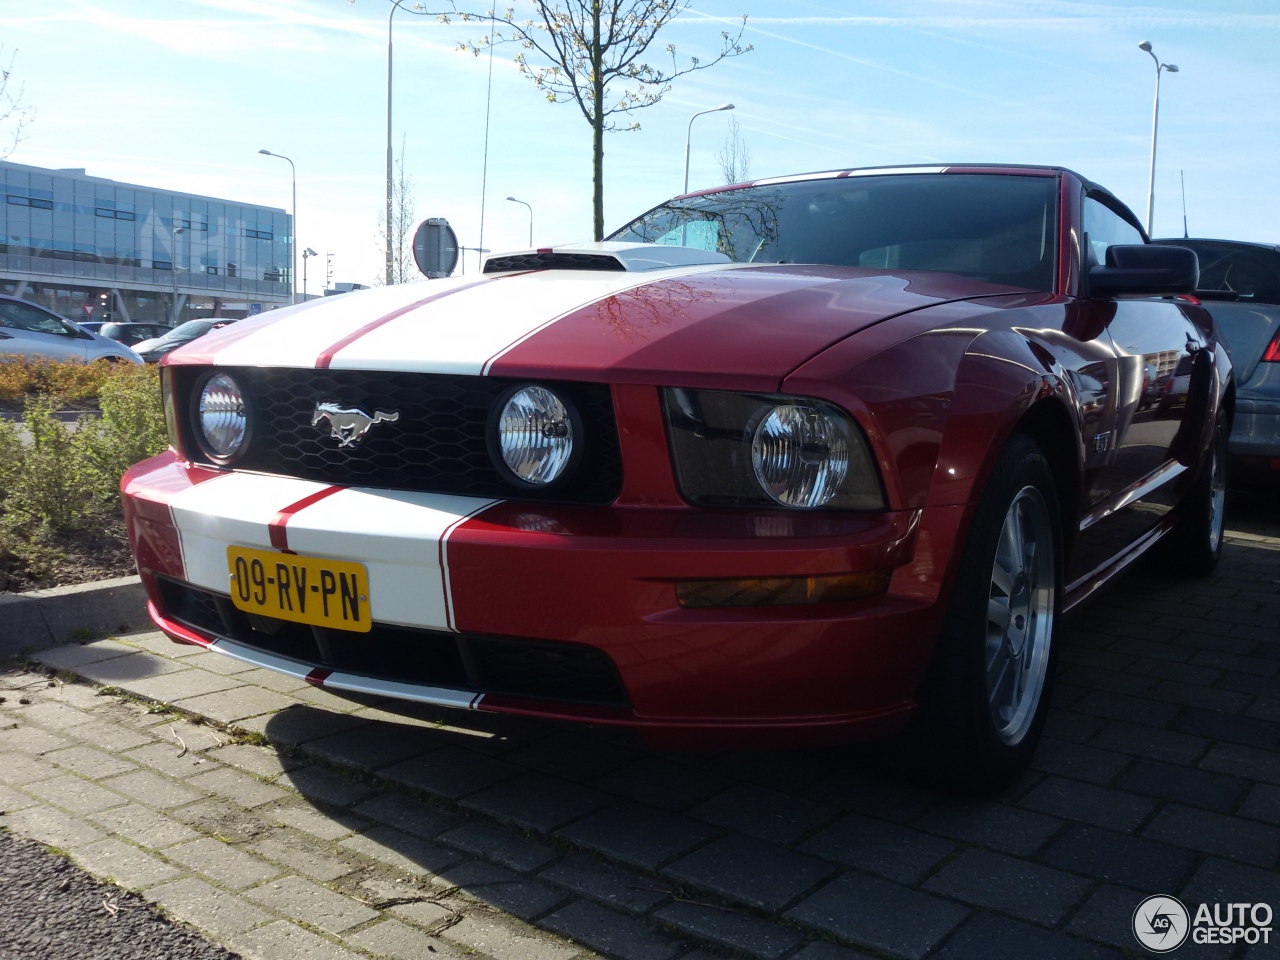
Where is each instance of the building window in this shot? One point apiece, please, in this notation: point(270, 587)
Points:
point(231, 269)
point(113, 210)
point(161, 265)
point(211, 270)
point(30, 202)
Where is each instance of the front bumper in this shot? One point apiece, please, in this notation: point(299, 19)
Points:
point(468, 572)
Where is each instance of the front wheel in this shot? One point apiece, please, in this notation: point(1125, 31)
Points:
point(985, 697)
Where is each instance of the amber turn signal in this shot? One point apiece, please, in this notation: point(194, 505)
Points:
point(783, 591)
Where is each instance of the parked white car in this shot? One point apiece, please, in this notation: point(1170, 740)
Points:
point(28, 330)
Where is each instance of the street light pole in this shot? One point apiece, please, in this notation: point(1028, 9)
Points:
point(1155, 124)
point(293, 231)
point(689, 135)
point(395, 5)
point(308, 252)
point(514, 200)
point(173, 315)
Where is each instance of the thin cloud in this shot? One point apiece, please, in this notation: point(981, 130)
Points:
point(884, 68)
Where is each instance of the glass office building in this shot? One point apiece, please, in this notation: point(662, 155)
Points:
point(91, 248)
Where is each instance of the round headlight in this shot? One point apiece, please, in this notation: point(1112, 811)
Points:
point(801, 455)
point(535, 435)
point(221, 417)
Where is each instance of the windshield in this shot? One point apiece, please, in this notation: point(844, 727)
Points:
point(994, 227)
point(189, 330)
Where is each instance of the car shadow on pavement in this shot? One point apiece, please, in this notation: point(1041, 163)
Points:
point(1158, 773)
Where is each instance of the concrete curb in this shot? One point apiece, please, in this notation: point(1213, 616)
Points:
point(44, 618)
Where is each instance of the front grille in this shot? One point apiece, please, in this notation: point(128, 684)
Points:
point(527, 668)
point(552, 261)
point(438, 444)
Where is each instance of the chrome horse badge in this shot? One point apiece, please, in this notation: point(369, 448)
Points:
point(347, 425)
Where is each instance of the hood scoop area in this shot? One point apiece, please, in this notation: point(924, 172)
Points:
point(602, 256)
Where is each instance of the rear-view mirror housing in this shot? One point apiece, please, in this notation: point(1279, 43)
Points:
point(1145, 270)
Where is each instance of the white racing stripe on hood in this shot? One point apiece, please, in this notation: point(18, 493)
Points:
point(299, 336)
point(398, 536)
point(464, 332)
point(468, 323)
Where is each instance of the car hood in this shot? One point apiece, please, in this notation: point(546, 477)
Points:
point(737, 326)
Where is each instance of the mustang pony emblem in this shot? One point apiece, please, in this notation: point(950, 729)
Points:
point(349, 425)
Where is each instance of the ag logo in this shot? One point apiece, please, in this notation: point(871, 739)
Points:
point(1161, 924)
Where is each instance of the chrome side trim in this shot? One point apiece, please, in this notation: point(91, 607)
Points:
point(1157, 478)
point(1085, 587)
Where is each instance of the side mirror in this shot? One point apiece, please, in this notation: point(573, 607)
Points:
point(1146, 270)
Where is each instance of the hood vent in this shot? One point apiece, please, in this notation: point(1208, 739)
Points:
point(603, 256)
point(551, 260)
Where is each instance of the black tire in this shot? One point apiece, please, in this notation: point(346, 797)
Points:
point(1194, 546)
point(978, 732)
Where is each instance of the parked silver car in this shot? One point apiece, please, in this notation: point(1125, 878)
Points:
point(1240, 287)
point(28, 330)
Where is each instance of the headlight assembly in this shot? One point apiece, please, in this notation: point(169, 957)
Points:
point(738, 449)
point(221, 418)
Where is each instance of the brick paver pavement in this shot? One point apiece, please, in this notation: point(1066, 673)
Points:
point(297, 825)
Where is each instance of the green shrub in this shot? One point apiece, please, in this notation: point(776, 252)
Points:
point(130, 429)
point(58, 484)
point(51, 484)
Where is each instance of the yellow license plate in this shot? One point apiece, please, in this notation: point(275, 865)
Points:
point(314, 590)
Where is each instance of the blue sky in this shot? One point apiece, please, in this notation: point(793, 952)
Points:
point(181, 94)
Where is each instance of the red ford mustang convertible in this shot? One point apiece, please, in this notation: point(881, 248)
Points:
point(804, 460)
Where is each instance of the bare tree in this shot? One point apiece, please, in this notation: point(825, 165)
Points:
point(15, 116)
point(735, 158)
point(403, 268)
point(592, 53)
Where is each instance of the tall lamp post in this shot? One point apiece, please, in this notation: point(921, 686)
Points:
point(293, 232)
point(173, 315)
point(418, 9)
point(689, 135)
point(514, 200)
point(1155, 123)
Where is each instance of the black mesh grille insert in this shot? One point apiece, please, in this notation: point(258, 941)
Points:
point(527, 668)
point(437, 444)
point(552, 261)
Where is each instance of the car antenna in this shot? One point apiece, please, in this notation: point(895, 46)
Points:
point(1182, 176)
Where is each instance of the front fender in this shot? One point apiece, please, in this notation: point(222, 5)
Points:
point(939, 390)
point(1002, 375)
